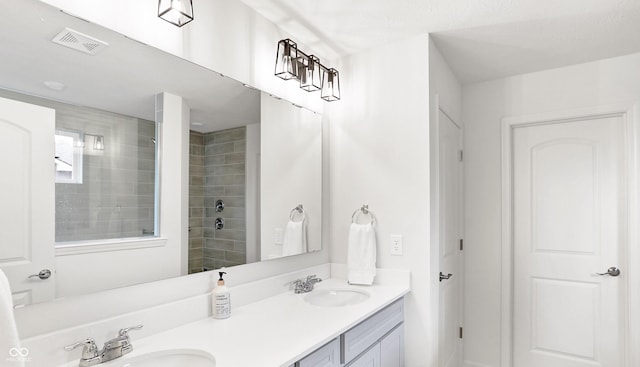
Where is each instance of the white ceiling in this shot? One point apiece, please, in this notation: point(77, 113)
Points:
point(481, 39)
point(122, 78)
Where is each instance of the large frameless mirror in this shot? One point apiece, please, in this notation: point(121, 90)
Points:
point(255, 169)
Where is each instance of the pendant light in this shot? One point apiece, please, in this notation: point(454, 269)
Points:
point(310, 76)
point(176, 12)
point(287, 60)
point(330, 85)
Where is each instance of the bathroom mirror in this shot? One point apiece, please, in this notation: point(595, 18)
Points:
point(255, 160)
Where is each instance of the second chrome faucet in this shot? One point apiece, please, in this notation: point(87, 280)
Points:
point(114, 348)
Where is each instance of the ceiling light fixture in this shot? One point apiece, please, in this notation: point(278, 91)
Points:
point(176, 12)
point(294, 64)
point(53, 85)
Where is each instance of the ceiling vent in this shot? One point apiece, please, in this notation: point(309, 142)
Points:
point(79, 42)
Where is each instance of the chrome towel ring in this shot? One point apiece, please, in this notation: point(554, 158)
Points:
point(300, 210)
point(364, 209)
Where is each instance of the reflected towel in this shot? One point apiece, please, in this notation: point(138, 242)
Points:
point(361, 262)
point(295, 238)
point(9, 341)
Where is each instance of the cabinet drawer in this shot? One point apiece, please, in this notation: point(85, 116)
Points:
point(327, 356)
point(365, 334)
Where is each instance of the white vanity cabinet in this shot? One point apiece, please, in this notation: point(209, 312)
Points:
point(376, 342)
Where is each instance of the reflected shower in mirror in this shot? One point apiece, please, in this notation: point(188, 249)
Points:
point(223, 176)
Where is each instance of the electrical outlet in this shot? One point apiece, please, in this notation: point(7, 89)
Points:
point(396, 244)
point(279, 236)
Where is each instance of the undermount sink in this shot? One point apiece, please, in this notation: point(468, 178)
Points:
point(336, 297)
point(167, 358)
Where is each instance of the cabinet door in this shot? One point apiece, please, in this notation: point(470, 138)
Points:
point(392, 348)
point(327, 356)
point(370, 358)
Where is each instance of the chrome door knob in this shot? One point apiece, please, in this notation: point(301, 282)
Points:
point(612, 271)
point(43, 274)
point(445, 277)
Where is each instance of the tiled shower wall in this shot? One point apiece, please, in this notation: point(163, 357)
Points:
point(224, 179)
point(116, 196)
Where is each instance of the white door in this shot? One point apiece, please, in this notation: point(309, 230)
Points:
point(27, 194)
point(569, 217)
point(450, 192)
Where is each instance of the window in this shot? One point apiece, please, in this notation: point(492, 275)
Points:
point(68, 156)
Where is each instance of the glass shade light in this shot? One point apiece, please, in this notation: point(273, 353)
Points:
point(287, 60)
point(176, 12)
point(310, 75)
point(330, 85)
point(98, 144)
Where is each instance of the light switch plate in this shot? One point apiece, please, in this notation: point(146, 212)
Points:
point(279, 236)
point(396, 244)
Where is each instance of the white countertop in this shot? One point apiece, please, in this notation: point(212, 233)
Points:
point(275, 331)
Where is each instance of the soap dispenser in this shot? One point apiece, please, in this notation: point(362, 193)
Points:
point(221, 299)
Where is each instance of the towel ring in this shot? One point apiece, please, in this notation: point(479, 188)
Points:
point(364, 209)
point(300, 210)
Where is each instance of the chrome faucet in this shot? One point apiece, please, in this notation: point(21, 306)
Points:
point(114, 348)
point(305, 286)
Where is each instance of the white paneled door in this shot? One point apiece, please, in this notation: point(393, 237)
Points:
point(450, 233)
point(27, 194)
point(569, 223)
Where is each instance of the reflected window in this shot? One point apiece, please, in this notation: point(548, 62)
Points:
point(68, 156)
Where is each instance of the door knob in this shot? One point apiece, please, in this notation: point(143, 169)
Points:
point(43, 274)
point(612, 271)
point(445, 277)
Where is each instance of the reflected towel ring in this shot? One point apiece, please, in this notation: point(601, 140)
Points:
point(364, 209)
point(300, 210)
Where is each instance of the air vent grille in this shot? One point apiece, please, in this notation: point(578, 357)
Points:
point(79, 42)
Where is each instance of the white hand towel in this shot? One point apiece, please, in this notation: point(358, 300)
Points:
point(361, 262)
point(295, 238)
point(9, 341)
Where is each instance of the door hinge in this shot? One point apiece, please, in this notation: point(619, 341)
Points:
point(460, 335)
point(461, 244)
point(461, 155)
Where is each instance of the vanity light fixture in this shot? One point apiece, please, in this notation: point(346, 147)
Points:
point(98, 141)
point(98, 144)
point(176, 12)
point(330, 85)
point(294, 64)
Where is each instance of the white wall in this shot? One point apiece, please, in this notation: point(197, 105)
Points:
point(252, 174)
point(604, 82)
point(291, 163)
point(226, 36)
point(380, 156)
